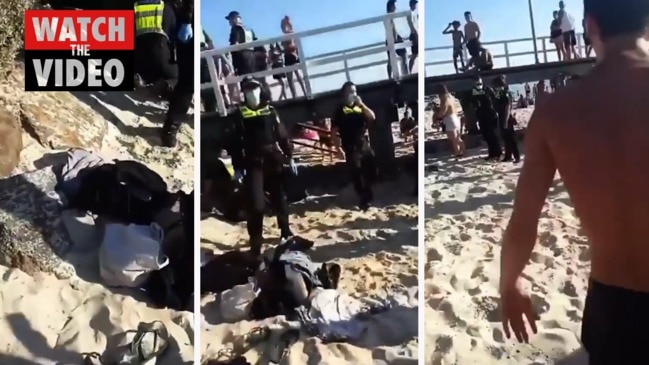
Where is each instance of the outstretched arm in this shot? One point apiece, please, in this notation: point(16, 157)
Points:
point(533, 184)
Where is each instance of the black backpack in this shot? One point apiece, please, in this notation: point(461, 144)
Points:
point(127, 191)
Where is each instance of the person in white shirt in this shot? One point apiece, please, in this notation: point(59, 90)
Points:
point(414, 38)
point(568, 31)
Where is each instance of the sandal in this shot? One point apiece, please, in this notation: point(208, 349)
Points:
point(139, 350)
point(92, 358)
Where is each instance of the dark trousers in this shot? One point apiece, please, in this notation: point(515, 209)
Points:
point(258, 180)
point(509, 139)
point(181, 96)
point(153, 61)
point(362, 167)
point(488, 130)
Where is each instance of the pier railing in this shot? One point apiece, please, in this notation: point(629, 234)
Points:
point(546, 50)
point(308, 63)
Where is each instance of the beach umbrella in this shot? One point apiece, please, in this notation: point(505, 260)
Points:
point(536, 50)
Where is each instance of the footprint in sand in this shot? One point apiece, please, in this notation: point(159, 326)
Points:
point(569, 289)
point(344, 236)
point(465, 237)
point(548, 239)
point(489, 307)
point(539, 304)
point(434, 255)
point(498, 335)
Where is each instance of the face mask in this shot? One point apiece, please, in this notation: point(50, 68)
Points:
point(351, 98)
point(252, 97)
point(478, 86)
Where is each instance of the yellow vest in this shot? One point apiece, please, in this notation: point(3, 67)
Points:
point(148, 18)
point(352, 110)
point(248, 113)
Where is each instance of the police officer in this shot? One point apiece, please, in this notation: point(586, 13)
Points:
point(503, 103)
point(155, 27)
point(183, 92)
point(482, 100)
point(259, 156)
point(350, 122)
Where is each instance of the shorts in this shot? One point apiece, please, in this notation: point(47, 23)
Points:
point(457, 52)
point(614, 325)
point(452, 123)
point(291, 59)
point(414, 49)
point(569, 39)
point(243, 62)
point(472, 46)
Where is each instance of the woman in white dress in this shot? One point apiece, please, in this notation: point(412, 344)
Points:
point(447, 113)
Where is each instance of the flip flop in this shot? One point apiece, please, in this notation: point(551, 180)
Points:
point(92, 358)
point(140, 351)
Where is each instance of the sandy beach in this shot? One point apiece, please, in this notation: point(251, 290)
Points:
point(51, 319)
point(378, 252)
point(468, 204)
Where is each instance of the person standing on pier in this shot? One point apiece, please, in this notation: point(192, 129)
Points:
point(243, 60)
point(594, 133)
point(414, 34)
point(263, 148)
point(351, 121)
point(472, 34)
point(458, 43)
point(568, 32)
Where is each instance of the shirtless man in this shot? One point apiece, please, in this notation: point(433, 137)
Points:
point(472, 33)
point(595, 133)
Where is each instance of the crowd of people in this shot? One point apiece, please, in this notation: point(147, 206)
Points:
point(492, 106)
point(562, 35)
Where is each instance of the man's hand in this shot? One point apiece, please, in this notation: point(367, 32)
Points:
point(238, 175)
point(515, 304)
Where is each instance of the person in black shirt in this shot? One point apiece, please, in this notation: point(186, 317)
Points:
point(243, 61)
point(351, 122)
point(503, 104)
point(260, 150)
point(482, 99)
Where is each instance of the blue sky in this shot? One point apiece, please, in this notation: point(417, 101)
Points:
point(264, 18)
point(498, 20)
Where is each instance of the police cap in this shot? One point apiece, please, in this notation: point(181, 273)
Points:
point(249, 83)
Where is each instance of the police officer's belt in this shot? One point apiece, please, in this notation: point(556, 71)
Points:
point(478, 92)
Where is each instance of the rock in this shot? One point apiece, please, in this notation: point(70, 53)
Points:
point(33, 237)
point(11, 142)
point(59, 121)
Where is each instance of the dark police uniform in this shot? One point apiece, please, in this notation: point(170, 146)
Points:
point(351, 124)
point(482, 100)
point(261, 148)
point(503, 104)
point(181, 97)
point(155, 26)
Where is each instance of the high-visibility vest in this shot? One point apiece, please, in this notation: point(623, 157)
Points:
point(248, 113)
point(148, 18)
point(353, 110)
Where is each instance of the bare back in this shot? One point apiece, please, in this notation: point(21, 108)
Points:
point(447, 107)
point(598, 136)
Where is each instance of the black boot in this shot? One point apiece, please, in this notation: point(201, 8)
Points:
point(255, 246)
point(169, 134)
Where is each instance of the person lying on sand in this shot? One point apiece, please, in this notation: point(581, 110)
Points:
point(601, 153)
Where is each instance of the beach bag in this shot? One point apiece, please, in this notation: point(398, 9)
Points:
point(126, 190)
point(129, 253)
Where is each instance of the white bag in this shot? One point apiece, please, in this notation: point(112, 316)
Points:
point(236, 302)
point(129, 253)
